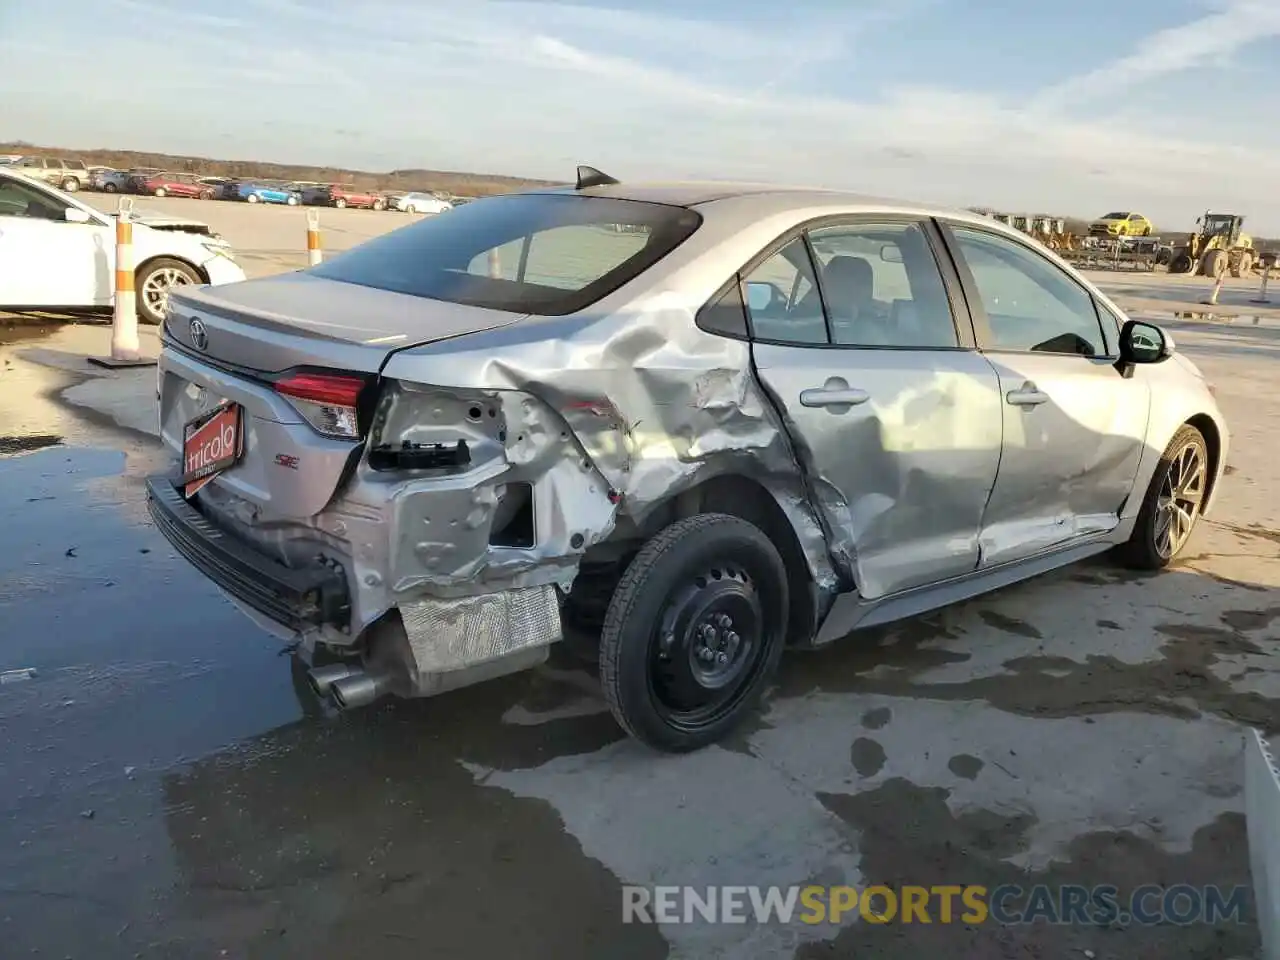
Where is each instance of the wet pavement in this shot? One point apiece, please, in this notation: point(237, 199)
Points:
point(172, 790)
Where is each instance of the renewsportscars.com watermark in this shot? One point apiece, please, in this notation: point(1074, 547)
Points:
point(1009, 905)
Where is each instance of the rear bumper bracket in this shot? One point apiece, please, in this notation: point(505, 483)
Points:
point(298, 598)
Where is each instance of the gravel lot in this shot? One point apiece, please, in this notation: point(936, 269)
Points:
point(168, 795)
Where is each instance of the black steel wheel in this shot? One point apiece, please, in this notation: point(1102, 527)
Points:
point(1173, 503)
point(694, 632)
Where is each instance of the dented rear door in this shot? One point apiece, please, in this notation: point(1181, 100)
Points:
point(896, 420)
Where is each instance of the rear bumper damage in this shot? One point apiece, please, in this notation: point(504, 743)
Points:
point(300, 599)
point(417, 648)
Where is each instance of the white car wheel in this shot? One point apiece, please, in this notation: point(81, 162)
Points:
point(154, 282)
point(292, 201)
point(253, 198)
point(411, 209)
point(159, 191)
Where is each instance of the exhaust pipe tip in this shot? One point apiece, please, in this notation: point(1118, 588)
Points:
point(359, 690)
point(322, 679)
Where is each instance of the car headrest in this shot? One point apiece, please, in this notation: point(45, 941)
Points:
point(847, 282)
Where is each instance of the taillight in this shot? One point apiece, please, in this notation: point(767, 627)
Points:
point(327, 401)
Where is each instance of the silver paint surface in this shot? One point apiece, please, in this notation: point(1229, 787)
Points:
point(613, 413)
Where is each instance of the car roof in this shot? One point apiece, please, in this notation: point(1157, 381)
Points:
point(763, 198)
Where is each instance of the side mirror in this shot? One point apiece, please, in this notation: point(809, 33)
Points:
point(759, 296)
point(75, 215)
point(1144, 343)
point(891, 253)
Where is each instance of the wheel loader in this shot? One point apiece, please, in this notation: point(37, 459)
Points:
point(1220, 245)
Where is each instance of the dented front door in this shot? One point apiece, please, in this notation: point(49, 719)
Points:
point(896, 425)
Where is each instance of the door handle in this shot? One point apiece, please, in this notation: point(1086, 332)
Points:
point(1028, 395)
point(832, 397)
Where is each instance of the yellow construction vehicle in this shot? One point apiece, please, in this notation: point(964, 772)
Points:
point(1219, 246)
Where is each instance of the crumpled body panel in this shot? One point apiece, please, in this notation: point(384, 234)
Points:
point(607, 418)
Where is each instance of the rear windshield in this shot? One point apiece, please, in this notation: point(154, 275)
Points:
point(546, 254)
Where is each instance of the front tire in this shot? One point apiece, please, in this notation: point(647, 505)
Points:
point(160, 191)
point(339, 203)
point(1172, 504)
point(292, 201)
point(109, 187)
point(1214, 264)
point(694, 632)
point(71, 185)
point(153, 283)
point(253, 198)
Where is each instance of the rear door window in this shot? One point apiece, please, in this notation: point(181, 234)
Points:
point(546, 254)
point(882, 287)
point(783, 300)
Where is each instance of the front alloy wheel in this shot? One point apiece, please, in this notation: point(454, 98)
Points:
point(1173, 503)
point(694, 632)
point(154, 281)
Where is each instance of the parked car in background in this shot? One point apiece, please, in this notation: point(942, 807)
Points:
point(258, 191)
point(177, 185)
point(70, 175)
point(98, 176)
point(112, 181)
point(57, 252)
point(416, 202)
point(1121, 224)
point(138, 177)
point(756, 417)
point(343, 195)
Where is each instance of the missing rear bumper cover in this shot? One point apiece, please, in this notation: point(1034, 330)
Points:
point(298, 598)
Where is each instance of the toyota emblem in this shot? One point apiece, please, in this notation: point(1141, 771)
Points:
point(199, 336)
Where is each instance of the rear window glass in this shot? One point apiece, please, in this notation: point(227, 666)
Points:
point(546, 254)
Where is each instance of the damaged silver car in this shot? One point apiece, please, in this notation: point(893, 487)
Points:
point(705, 421)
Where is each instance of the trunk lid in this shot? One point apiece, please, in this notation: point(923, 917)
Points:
point(253, 331)
point(296, 319)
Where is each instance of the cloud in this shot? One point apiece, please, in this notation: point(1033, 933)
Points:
point(534, 87)
point(1210, 40)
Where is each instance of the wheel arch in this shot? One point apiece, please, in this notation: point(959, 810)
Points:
point(750, 500)
point(201, 272)
point(1208, 428)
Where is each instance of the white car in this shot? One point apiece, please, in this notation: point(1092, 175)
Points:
point(57, 252)
point(421, 203)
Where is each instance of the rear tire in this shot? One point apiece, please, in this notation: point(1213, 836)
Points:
point(292, 201)
point(379, 204)
point(160, 191)
point(694, 632)
point(253, 198)
point(339, 203)
point(70, 184)
point(1172, 504)
point(109, 187)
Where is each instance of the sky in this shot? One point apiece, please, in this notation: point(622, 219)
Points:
point(1072, 108)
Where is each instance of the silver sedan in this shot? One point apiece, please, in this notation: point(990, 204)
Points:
point(696, 422)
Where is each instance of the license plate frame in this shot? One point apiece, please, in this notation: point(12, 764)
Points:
point(212, 443)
